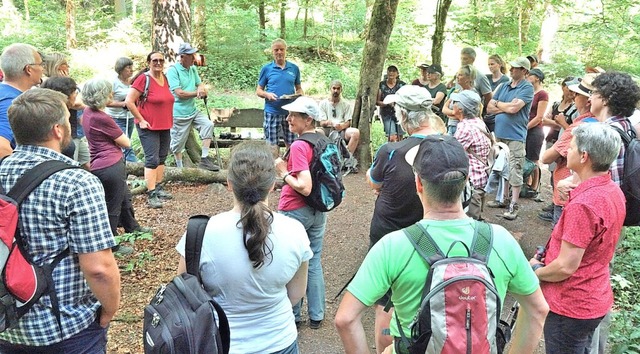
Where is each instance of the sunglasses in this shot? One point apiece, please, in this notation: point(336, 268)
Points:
point(157, 61)
point(334, 113)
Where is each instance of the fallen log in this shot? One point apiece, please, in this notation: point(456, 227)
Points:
point(186, 174)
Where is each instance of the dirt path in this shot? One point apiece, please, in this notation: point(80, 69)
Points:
point(345, 246)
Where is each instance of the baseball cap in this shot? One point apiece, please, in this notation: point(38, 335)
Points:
point(186, 48)
point(538, 73)
point(521, 62)
point(533, 57)
point(467, 98)
point(304, 104)
point(435, 68)
point(584, 86)
point(411, 97)
point(423, 66)
point(436, 156)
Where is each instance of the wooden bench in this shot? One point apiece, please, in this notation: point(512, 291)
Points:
point(237, 118)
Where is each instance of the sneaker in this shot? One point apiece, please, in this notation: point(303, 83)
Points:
point(123, 250)
point(143, 230)
point(496, 204)
point(545, 215)
point(162, 194)
point(512, 213)
point(207, 164)
point(313, 324)
point(153, 201)
point(548, 208)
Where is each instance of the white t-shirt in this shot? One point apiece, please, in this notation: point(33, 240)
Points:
point(120, 91)
point(343, 111)
point(254, 300)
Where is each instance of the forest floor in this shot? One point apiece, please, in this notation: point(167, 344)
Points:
point(154, 262)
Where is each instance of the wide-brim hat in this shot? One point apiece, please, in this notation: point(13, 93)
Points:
point(584, 85)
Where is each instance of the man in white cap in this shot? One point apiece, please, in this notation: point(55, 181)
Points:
point(392, 179)
point(441, 171)
point(511, 105)
point(186, 86)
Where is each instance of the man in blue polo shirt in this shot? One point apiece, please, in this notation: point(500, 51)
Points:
point(511, 104)
point(22, 67)
point(186, 86)
point(277, 79)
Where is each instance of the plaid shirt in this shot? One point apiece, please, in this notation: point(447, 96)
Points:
point(469, 134)
point(617, 167)
point(67, 210)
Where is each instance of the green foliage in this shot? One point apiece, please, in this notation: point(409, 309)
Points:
point(132, 237)
point(139, 261)
point(377, 136)
point(624, 336)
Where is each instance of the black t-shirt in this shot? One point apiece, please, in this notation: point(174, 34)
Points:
point(397, 205)
point(385, 91)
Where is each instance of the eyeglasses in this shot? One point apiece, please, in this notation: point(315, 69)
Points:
point(41, 64)
point(157, 61)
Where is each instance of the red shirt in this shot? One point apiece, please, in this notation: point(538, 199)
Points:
point(300, 155)
point(158, 109)
point(592, 219)
point(562, 147)
point(101, 132)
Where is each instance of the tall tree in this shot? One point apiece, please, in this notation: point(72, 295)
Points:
point(379, 30)
point(262, 16)
point(442, 9)
point(171, 21)
point(70, 24)
point(200, 25)
point(120, 9)
point(283, 19)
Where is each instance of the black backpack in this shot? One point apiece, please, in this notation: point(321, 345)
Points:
point(630, 180)
point(24, 282)
point(460, 306)
point(327, 190)
point(181, 317)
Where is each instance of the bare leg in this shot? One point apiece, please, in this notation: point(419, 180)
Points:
point(535, 176)
point(150, 177)
point(382, 322)
point(353, 137)
point(159, 173)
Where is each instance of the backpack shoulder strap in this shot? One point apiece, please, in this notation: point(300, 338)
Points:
point(482, 243)
point(423, 243)
point(311, 138)
point(147, 82)
point(195, 234)
point(626, 138)
point(32, 178)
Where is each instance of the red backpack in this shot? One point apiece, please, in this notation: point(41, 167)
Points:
point(23, 282)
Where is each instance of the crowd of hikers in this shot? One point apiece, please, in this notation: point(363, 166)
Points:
point(436, 273)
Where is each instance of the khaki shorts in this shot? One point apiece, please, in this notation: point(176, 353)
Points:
point(516, 161)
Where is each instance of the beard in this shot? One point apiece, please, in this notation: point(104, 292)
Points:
point(66, 140)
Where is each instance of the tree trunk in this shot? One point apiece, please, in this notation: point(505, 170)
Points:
point(283, 20)
point(306, 18)
point(171, 21)
point(27, 16)
point(120, 9)
point(200, 25)
point(438, 35)
point(194, 175)
point(527, 11)
point(263, 21)
point(71, 25)
point(375, 51)
point(134, 10)
point(548, 30)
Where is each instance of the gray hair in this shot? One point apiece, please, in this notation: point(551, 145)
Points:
point(52, 62)
point(278, 41)
point(15, 57)
point(33, 114)
point(468, 51)
point(414, 120)
point(96, 93)
point(447, 191)
point(122, 63)
point(600, 141)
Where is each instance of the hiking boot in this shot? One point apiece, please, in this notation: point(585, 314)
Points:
point(313, 324)
point(545, 215)
point(207, 164)
point(496, 204)
point(143, 230)
point(122, 250)
point(152, 200)
point(162, 194)
point(512, 213)
point(548, 208)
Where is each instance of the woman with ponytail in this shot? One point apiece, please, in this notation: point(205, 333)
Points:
point(254, 262)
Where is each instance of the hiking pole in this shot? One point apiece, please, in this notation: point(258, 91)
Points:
point(215, 140)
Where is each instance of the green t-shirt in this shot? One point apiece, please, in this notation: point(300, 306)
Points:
point(187, 80)
point(394, 263)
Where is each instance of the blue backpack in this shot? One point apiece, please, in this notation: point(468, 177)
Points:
point(327, 191)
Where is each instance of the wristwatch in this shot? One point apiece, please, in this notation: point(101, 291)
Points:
point(537, 266)
point(284, 178)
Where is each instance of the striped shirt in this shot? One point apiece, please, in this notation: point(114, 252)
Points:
point(67, 210)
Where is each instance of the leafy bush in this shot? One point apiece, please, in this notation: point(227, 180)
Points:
point(624, 336)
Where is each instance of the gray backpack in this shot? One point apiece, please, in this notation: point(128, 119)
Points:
point(181, 317)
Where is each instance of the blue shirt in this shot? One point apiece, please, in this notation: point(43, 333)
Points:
point(187, 80)
point(514, 126)
point(279, 81)
point(7, 95)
